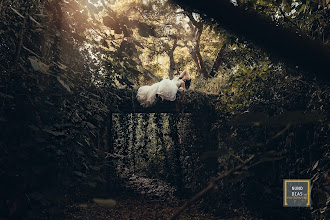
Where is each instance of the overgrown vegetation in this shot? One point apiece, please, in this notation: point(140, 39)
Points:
point(70, 68)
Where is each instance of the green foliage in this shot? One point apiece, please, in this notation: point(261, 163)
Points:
point(213, 85)
point(250, 84)
point(56, 96)
point(141, 141)
point(61, 66)
point(308, 17)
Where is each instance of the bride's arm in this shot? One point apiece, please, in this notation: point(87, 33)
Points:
point(183, 85)
point(184, 72)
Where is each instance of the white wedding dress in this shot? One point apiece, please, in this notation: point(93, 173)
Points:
point(165, 89)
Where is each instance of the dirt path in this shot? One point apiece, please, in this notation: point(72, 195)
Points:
point(132, 208)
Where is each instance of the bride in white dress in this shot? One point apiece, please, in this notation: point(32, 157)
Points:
point(165, 89)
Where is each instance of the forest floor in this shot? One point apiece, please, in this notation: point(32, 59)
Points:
point(142, 199)
point(131, 207)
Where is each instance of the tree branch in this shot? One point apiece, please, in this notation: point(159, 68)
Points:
point(21, 35)
point(290, 20)
point(281, 42)
point(209, 187)
point(218, 61)
point(170, 54)
point(265, 157)
point(192, 19)
point(147, 72)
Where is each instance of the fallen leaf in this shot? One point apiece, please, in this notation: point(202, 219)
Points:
point(63, 84)
point(106, 203)
point(315, 165)
point(56, 133)
point(37, 65)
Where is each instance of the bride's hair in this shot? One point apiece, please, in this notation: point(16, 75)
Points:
point(187, 83)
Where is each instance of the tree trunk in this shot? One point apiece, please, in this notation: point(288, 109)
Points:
point(195, 52)
point(172, 62)
point(150, 74)
point(196, 60)
point(147, 72)
point(199, 61)
point(218, 61)
point(197, 57)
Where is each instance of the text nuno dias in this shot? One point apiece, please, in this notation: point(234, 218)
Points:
point(296, 193)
